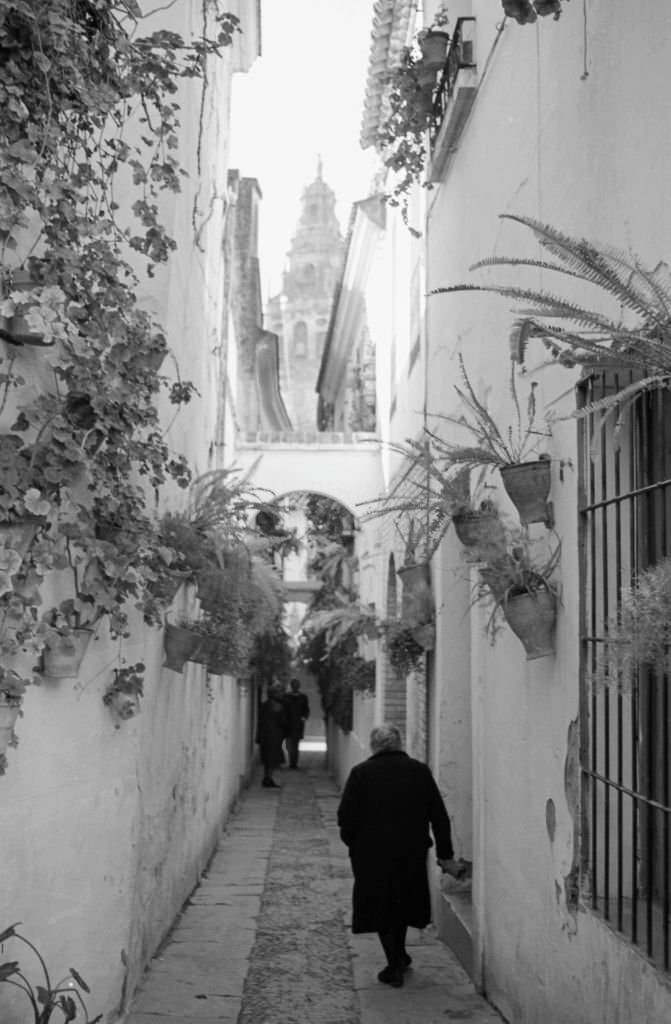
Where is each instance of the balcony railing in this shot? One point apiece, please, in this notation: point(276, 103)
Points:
point(446, 106)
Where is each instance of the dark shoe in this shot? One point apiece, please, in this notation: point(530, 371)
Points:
point(271, 784)
point(391, 976)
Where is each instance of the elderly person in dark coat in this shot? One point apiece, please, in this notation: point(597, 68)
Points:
point(272, 728)
point(387, 806)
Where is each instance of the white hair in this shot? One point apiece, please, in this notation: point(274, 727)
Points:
point(385, 737)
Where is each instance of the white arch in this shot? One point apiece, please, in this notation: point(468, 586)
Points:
point(348, 471)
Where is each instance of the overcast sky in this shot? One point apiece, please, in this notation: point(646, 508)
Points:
point(303, 98)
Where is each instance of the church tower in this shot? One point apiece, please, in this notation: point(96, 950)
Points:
point(300, 314)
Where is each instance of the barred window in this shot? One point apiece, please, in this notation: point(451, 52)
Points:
point(625, 513)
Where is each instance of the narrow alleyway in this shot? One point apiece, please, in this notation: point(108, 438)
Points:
point(263, 939)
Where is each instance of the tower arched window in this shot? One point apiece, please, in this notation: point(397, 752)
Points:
point(299, 347)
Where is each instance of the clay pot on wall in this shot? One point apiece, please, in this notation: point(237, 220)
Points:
point(63, 655)
point(528, 486)
point(532, 619)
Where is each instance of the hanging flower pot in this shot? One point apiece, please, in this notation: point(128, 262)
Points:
point(417, 599)
point(433, 44)
point(211, 584)
point(480, 531)
point(63, 655)
point(532, 619)
point(16, 329)
point(528, 486)
point(521, 10)
point(179, 643)
point(546, 7)
point(425, 635)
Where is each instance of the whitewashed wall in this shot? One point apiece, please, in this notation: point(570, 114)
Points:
point(591, 155)
point(105, 830)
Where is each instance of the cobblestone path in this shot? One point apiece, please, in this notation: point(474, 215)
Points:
point(300, 966)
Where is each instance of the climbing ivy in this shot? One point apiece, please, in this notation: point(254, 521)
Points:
point(89, 108)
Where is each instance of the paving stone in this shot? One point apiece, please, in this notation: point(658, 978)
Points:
point(264, 939)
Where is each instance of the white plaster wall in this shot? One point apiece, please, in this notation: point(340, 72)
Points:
point(347, 749)
point(591, 156)
point(106, 830)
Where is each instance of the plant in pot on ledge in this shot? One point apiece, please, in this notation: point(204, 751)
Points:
point(525, 592)
point(526, 475)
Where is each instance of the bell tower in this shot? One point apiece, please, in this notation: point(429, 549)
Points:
point(299, 315)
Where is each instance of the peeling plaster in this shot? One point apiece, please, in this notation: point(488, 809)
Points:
point(551, 819)
point(572, 791)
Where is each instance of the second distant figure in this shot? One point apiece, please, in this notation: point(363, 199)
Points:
point(298, 711)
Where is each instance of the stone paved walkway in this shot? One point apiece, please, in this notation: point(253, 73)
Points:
point(263, 939)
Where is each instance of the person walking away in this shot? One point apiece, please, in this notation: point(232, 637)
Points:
point(271, 731)
point(387, 807)
point(298, 712)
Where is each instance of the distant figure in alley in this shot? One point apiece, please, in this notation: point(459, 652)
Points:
point(298, 712)
point(272, 729)
point(388, 803)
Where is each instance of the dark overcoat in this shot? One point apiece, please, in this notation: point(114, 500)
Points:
point(298, 709)
point(388, 805)
point(272, 729)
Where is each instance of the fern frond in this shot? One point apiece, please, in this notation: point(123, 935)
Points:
point(605, 267)
point(509, 261)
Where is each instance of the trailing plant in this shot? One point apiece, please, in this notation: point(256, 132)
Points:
point(493, 445)
point(577, 335)
point(405, 653)
point(63, 996)
point(75, 78)
point(402, 135)
point(429, 492)
point(123, 693)
point(524, 568)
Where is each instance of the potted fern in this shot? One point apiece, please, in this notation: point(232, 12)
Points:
point(525, 593)
point(525, 473)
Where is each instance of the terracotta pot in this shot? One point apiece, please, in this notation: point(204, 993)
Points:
point(179, 643)
point(15, 329)
point(416, 599)
point(482, 532)
point(62, 657)
point(532, 619)
point(434, 48)
point(210, 586)
point(528, 486)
